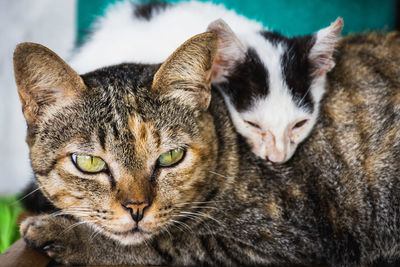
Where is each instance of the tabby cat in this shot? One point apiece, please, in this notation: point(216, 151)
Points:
point(146, 168)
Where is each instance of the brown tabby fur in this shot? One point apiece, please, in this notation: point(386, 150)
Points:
point(336, 202)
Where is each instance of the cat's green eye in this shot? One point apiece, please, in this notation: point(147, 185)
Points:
point(171, 157)
point(89, 164)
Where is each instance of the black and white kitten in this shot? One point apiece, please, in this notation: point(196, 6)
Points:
point(271, 84)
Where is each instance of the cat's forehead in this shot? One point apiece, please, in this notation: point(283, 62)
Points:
point(125, 92)
point(119, 116)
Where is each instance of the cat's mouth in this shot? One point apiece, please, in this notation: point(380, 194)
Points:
point(134, 230)
point(133, 236)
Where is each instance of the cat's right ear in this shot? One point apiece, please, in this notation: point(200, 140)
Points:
point(230, 50)
point(43, 79)
point(186, 74)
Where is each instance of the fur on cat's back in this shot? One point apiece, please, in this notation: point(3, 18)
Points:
point(336, 202)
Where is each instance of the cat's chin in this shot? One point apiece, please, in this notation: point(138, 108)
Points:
point(131, 237)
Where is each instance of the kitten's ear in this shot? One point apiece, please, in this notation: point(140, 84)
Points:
point(43, 79)
point(186, 74)
point(230, 50)
point(321, 52)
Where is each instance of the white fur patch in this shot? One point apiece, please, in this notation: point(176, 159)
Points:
point(120, 37)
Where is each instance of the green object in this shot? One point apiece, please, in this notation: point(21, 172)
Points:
point(10, 208)
point(87, 13)
point(289, 17)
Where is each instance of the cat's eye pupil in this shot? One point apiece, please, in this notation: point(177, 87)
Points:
point(300, 124)
point(255, 125)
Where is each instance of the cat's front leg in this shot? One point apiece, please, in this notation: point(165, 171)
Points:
point(57, 237)
point(68, 241)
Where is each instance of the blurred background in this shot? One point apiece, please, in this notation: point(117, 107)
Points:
point(63, 25)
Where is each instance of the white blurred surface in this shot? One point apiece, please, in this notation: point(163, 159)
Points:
point(48, 22)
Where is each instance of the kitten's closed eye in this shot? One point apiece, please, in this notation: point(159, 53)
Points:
point(253, 124)
point(300, 124)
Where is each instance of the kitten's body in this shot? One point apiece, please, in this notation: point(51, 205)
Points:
point(149, 33)
point(335, 203)
point(272, 84)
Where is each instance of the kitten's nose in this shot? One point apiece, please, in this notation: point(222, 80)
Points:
point(136, 208)
point(276, 148)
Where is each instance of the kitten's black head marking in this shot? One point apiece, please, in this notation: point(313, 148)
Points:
point(145, 11)
point(247, 81)
point(250, 79)
point(296, 68)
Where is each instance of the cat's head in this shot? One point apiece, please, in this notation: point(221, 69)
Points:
point(127, 149)
point(273, 85)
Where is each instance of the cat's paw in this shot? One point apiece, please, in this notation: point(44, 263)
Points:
point(54, 236)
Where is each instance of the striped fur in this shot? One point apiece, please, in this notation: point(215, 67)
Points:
point(335, 203)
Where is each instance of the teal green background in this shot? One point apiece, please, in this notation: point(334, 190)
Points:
point(289, 17)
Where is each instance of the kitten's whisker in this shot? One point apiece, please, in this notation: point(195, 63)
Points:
point(302, 99)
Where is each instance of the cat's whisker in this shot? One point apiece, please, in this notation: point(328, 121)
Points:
point(205, 207)
point(173, 224)
point(169, 233)
point(204, 215)
point(76, 212)
point(69, 228)
point(58, 213)
point(183, 225)
point(197, 219)
point(200, 202)
point(187, 216)
point(27, 195)
point(147, 244)
point(96, 232)
point(216, 173)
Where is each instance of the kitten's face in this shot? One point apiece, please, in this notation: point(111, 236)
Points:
point(274, 88)
point(120, 150)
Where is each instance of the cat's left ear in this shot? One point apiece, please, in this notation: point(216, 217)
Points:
point(186, 74)
point(43, 80)
point(321, 52)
